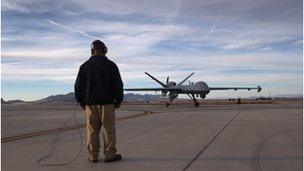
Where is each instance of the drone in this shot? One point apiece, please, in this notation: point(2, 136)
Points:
point(193, 90)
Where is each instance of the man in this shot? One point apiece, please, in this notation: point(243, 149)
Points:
point(99, 90)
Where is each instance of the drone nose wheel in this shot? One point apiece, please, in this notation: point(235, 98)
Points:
point(196, 104)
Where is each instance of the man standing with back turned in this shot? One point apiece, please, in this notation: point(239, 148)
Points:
point(99, 90)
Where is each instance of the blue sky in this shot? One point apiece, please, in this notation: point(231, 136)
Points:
point(226, 43)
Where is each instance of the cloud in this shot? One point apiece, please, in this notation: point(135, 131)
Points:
point(27, 73)
point(265, 49)
point(171, 37)
point(227, 33)
point(121, 37)
point(132, 69)
point(46, 54)
point(7, 6)
point(83, 33)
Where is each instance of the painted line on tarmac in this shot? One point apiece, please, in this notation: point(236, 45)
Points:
point(213, 139)
point(50, 131)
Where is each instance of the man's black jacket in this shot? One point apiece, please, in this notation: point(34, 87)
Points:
point(98, 82)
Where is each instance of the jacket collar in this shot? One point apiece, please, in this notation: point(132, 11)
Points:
point(99, 57)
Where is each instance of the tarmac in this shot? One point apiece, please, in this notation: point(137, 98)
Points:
point(245, 137)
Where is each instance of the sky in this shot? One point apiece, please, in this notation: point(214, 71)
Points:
point(225, 42)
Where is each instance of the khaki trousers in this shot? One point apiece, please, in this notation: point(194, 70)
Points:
point(101, 117)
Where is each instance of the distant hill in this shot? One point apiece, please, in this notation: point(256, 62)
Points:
point(65, 99)
point(3, 102)
point(12, 101)
point(69, 99)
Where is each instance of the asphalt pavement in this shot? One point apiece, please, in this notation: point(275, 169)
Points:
point(153, 137)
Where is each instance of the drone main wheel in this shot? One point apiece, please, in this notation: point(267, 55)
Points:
point(196, 104)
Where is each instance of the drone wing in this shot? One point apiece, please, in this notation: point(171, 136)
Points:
point(259, 88)
point(152, 89)
point(144, 89)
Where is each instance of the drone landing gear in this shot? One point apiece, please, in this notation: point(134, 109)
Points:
point(170, 101)
point(196, 103)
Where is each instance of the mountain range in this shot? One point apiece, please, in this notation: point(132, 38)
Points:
point(69, 99)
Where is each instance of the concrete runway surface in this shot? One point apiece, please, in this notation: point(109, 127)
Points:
point(153, 137)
